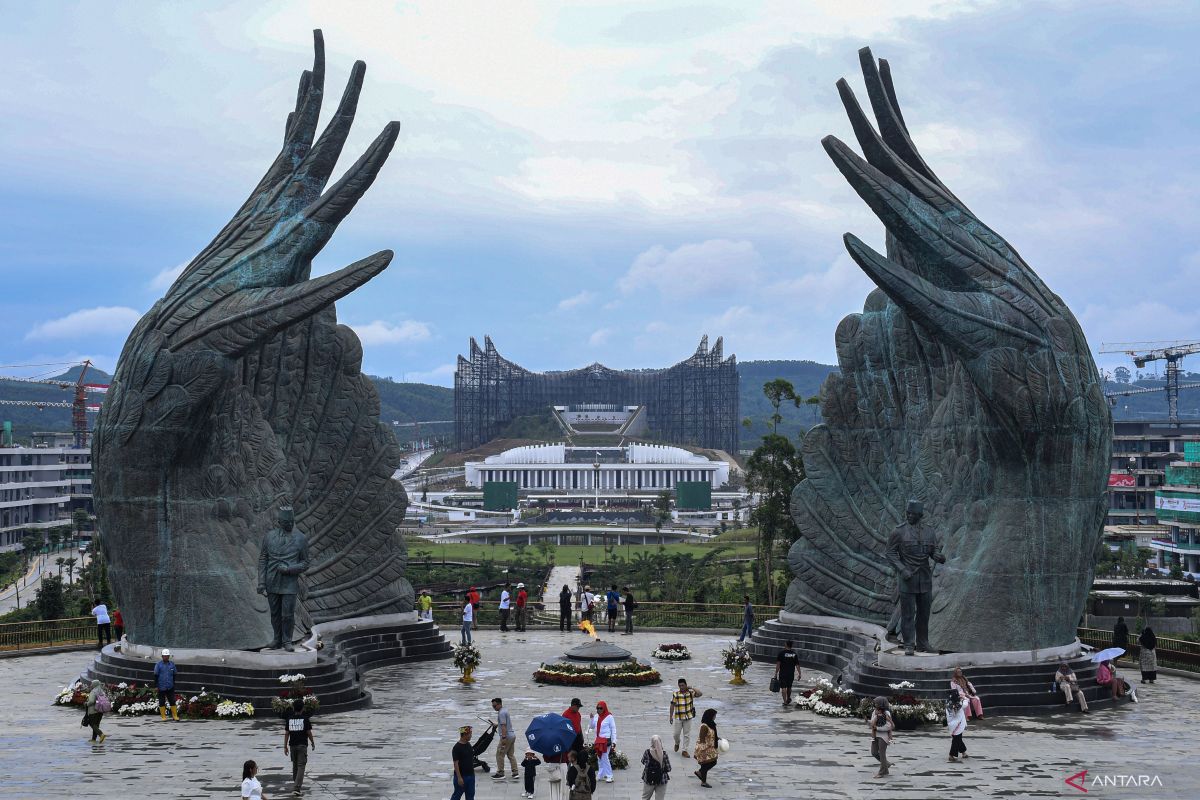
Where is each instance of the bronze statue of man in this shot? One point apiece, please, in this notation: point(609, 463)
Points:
point(910, 549)
point(281, 561)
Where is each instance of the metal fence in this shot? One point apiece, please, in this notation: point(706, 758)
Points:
point(43, 634)
point(1172, 653)
point(646, 615)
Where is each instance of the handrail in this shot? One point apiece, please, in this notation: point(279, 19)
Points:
point(44, 634)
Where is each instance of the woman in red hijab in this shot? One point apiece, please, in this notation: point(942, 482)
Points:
point(605, 725)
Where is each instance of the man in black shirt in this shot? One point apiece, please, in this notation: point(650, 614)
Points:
point(787, 667)
point(464, 765)
point(298, 735)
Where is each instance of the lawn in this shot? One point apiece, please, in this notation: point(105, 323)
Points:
point(568, 554)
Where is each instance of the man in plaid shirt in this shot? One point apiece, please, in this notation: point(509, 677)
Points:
point(683, 711)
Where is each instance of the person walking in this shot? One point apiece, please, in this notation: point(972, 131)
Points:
point(564, 609)
point(581, 776)
point(681, 714)
point(425, 606)
point(522, 599)
point(966, 690)
point(612, 602)
point(164, 681)
point(506, 740)
point(882, 726)
point(656, 770)
point(103, 625)
point(1147, 657)
point(1121, 634)
point(630, 605)
point(505, 607)
point(529, 767)
point(747, 619)
point(787, 667)
point(118, 623)
point(605, 725)
point(93, 710)
point(251, 788)
point(706, 746)
point(464, 765)
point(298, 737)
point(1068, 684)
point(956, 724)
point(468, 620)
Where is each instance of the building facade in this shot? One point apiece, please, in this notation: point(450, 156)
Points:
point(1177, 508)
point(587, 470)
point(40, 487)
point(694, 402)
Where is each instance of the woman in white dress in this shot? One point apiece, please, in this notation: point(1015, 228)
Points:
point(605, 725)
point(251, 788)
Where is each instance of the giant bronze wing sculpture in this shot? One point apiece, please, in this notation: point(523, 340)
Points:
point(239, 391)
point(965, 382)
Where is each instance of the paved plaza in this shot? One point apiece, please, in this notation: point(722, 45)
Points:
point(399, 748)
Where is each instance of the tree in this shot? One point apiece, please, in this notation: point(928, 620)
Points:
point(1176, 569)
point(546, 548)
point(55, 538)
point(49, 599)
point(777, 391)
point(30, 544)
point(80, 520)
point(60, 561)
point(71, 562)
point(772, 472)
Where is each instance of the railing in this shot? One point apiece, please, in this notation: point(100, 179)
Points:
point(646, 615)
point(43, 634)
point(1172, 653)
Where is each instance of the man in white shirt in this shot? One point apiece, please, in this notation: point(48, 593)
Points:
point(468, 618)
point(103, 625)
point(505, 606)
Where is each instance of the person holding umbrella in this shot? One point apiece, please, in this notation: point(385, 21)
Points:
point(1106, 673)
point(552, 735)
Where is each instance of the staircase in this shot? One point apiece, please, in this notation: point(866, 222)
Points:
point(852, 659)
point(382, 646)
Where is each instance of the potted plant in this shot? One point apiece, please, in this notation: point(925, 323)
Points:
point(466, 659)
point(737, 660)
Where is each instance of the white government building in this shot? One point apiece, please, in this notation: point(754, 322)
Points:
point(631, 468)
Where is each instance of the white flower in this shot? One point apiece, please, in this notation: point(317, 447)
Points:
point(122, 685)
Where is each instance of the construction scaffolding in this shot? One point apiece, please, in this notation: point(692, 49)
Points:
point(694, 402)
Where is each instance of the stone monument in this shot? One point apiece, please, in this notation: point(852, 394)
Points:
point(239, 392)
point(282, 559)
point(910, 549)
point(967, 384)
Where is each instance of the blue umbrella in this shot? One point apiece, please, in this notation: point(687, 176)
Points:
point(550, 734)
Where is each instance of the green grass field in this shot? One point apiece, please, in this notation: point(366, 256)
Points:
point(569, 554)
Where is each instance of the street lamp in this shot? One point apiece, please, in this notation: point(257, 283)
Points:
point(596, 479)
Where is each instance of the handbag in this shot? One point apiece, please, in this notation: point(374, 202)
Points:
point(774, 683)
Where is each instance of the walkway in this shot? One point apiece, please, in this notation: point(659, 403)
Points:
point(43, 565)
point(400, 747)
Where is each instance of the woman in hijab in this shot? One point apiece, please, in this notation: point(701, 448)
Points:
point(1121, 634)
point(1146, 656)
point(605, 726)
point(882, 726)
point(92, 717)
point(656, 770)
point(706, 746)
point(966, 691)
point(581, 775)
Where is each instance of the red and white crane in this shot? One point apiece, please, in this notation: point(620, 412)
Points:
point(78, 404)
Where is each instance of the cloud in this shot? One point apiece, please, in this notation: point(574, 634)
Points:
point(380, 332)
point(87, 322)
point(163, 280)
point(692, 269)
point(599, 337)
point(576, 300)
point(442, 375)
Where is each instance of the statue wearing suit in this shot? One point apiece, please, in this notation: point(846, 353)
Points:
point(281, 561)
point(911, 547)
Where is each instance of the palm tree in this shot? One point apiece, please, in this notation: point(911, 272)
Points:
point(60, 561)
point(71, 562)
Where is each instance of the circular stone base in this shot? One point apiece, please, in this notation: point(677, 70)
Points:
point(598, 650)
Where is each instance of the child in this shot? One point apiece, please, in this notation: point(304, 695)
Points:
point(881, 734)
point(956, 723)
point(530, 766)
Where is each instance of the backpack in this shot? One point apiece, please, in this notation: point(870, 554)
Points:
point(103, 704)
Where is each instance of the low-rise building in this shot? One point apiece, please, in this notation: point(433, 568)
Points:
point(41, 486)
point(1177, 506)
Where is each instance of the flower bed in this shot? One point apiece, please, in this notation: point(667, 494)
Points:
point(672, 652)
point(627, 673)
point(906, 709)
point(131, 700)
point(294, 688)
point(827, 700)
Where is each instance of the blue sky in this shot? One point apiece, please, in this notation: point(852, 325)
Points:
point(595, 181)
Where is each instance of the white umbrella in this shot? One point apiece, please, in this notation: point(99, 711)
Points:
point(1109, 653)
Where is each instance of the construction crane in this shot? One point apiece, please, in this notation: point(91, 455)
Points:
point(78, 405)
point(1143, 353)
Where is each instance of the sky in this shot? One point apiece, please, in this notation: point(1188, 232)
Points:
point(588, 181)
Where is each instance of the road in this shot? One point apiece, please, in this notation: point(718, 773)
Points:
point(43, 565)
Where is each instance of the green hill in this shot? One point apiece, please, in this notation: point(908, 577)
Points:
point(805, 376)
point(413, 402)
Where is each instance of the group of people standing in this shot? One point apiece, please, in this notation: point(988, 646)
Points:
point(589, 603)
point(508, 601)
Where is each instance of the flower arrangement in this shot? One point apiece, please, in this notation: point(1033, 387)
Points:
point(131, 700)
point(294, 688)
point(672, 652)
point(627, 673)
point(827, 700)
point(737, 660)
point(905, 706)
point(616, 758)
point(467, 655)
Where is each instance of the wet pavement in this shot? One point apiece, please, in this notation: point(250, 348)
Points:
point(400, 747)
